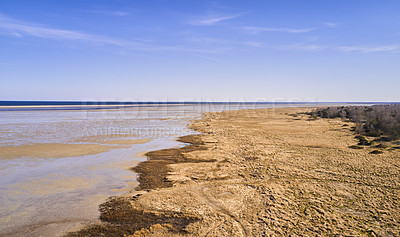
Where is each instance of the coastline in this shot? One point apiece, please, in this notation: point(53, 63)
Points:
point(259, 172)
point(119, 214)
point(58, 167)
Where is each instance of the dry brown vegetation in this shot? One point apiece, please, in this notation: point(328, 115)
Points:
point(262, 173)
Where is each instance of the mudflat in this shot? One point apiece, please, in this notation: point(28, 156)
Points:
point(59, 150)
point(53, 150)
point(261, 172)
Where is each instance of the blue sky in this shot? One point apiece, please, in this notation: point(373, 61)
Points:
point(192, 50)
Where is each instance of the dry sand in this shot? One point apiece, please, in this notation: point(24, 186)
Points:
point(261, 173)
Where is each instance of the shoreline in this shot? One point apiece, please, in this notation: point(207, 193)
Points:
point(120, 217)
point(259, 172)
point(154, 171)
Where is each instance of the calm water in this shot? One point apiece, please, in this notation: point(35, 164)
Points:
point(45, 195)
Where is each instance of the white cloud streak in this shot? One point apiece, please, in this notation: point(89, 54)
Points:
point(212, 20)
point(256, 30)
point(253, 44)
point(20, 29)
point(110, 13)
point(362, 49)
point(207, 40)
point(17, 28)
point(303, 47)
point(211, 59)
point(331, 24)
point(350, 49)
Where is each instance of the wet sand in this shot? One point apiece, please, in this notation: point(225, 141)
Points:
point(58, 165)
point(58, 150)
point(260, 173)
point(53, 150)
point(128, 142)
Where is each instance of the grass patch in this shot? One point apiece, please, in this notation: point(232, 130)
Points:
point(376, 152)
point(381, 146)
point(363, 141)
point(121, 218)
point(356, 147)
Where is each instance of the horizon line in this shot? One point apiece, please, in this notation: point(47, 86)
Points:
point(93, 102)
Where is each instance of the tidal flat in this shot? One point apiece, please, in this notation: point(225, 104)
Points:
point(58, 166)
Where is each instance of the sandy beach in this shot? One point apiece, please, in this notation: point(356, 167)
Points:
point(263, 172)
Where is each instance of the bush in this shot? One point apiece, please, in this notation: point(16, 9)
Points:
point(375, 120)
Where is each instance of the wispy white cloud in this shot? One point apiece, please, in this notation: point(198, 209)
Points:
point(253, 44)
point(363, 49)
point(303, 47)
point(7, 33)
point(331, 24)
point(17, 28)
point(211, 59)
point(350, 49)
point(212, 20)
point(109, 13)
point(206, 40)
point(209, 45)
point(256, 30)
point(354, 49)
point(20, 29)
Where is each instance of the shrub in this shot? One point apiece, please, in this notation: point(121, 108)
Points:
point(375, 120)
point(376, 152)
point(381, 146)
